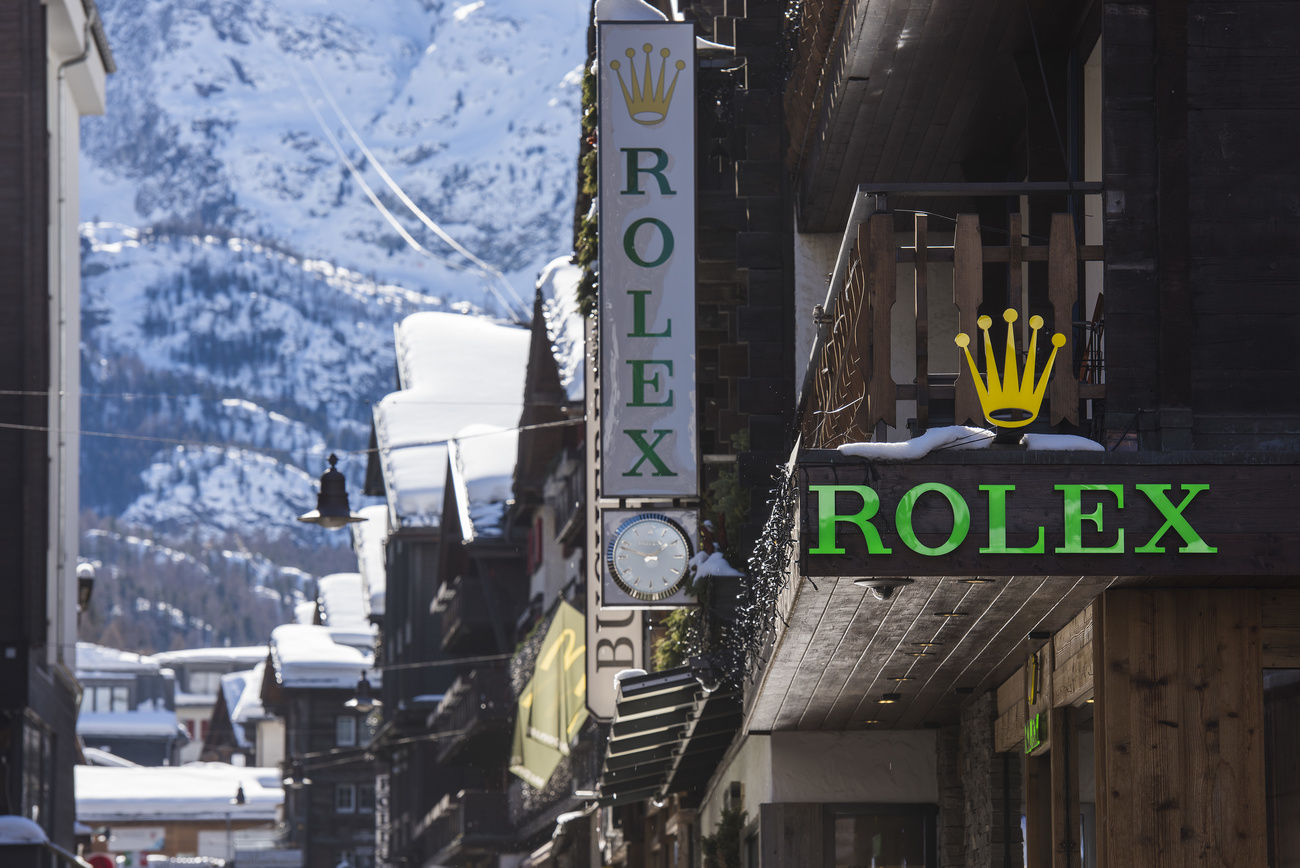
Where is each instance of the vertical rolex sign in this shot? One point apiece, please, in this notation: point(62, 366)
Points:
point(647, 259)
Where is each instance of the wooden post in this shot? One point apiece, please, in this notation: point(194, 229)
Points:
point(1180, 729)
point(881, 290)
point(1063, 292)
point(1065, 790)
point(922, 311)
point(1015, 256)
point(967, 292)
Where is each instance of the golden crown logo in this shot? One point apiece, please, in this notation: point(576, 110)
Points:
point(647, 103)
point(1008, 393)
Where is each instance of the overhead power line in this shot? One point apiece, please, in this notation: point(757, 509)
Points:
point(406, 200)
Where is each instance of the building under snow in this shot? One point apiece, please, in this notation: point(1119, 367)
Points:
point(199, 673)
point(128, 706)
point(190, 810)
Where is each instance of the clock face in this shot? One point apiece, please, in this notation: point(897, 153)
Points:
point(648, 556)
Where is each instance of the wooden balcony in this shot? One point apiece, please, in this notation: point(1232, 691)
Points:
point(465, 826)
point(475, 714)
point(850, 393)
point(566, 492)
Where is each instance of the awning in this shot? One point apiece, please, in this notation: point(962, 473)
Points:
point(667, 736)
point(553, 705)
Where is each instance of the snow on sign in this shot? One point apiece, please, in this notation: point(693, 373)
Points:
point(647, 258)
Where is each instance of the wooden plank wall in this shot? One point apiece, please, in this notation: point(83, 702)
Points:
point(1180, 729)
point(792, 834)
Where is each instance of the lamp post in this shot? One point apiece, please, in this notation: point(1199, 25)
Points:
point(239, 799)
point(363, 701)
point(332, 510)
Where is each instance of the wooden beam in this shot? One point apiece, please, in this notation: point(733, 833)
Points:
point(878, 241)
point(921, 286)
point(1063, 293)
point(1065, 790)
point(967, 292)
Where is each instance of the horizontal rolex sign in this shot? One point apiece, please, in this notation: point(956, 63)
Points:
point(1052, 514)
point(647, 259)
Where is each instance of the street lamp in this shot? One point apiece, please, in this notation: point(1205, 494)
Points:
point(332, 510)
point(230, 836)
point(296, 779)
point(363, 701)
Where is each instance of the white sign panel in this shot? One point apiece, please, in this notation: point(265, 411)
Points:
point(137, 838)
point(647, 258)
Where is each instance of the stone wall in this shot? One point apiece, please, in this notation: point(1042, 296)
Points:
point(991, 786)
point(952, 799)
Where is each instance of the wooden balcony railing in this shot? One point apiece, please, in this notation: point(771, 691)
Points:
point(478, 706)
point(851, 389)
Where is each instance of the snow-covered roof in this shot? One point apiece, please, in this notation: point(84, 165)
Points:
point(565, 324)
point(305, 612)
point(482, 471)
point(96, 757)
point(368, 540)
point(455, 371)
point(240, 655)
point(248, 707)
point(305, 655)
point(233, 687)
point(99, 658)
point(142, 724)
point(344, 609)
point(195, 791)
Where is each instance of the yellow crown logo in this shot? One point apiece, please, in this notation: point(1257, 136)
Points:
point(1009, 393)
point(646, 102)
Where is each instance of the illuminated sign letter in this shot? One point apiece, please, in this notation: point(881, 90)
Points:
point(827, 518)
point(960, 519)
point(998, 524)
point(1075, 517)
point(1174, 520)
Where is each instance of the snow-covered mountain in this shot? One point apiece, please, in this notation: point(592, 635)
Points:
point(245, 255)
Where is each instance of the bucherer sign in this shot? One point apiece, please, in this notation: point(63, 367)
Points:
point(647, 258)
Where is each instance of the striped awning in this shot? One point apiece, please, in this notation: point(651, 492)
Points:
point(667, 736)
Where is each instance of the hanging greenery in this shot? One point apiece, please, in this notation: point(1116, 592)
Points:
point(722, 848)
point(586, 246)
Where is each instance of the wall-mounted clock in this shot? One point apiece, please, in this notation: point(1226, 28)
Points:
point(647, 555)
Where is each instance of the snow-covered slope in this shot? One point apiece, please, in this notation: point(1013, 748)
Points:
point(237, 275)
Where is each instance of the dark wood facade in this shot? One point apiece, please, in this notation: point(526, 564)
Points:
point(332, 817)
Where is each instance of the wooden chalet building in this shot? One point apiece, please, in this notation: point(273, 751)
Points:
point(1075, 649)
point(329, 794)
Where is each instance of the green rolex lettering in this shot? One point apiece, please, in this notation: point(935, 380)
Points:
point(827, 518)
point(648, 452)
point(960, 519)
point(1075, 517)
point(998, 525)
point(629, 242)
point(640, 381)
point(634, 170)
point(639, 317)
point(1174, 520)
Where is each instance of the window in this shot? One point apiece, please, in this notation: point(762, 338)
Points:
point(366, 798)
point(345, 799)
point(345, 730)
point(881, 836)
point(107, 699)
point(203, 682)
